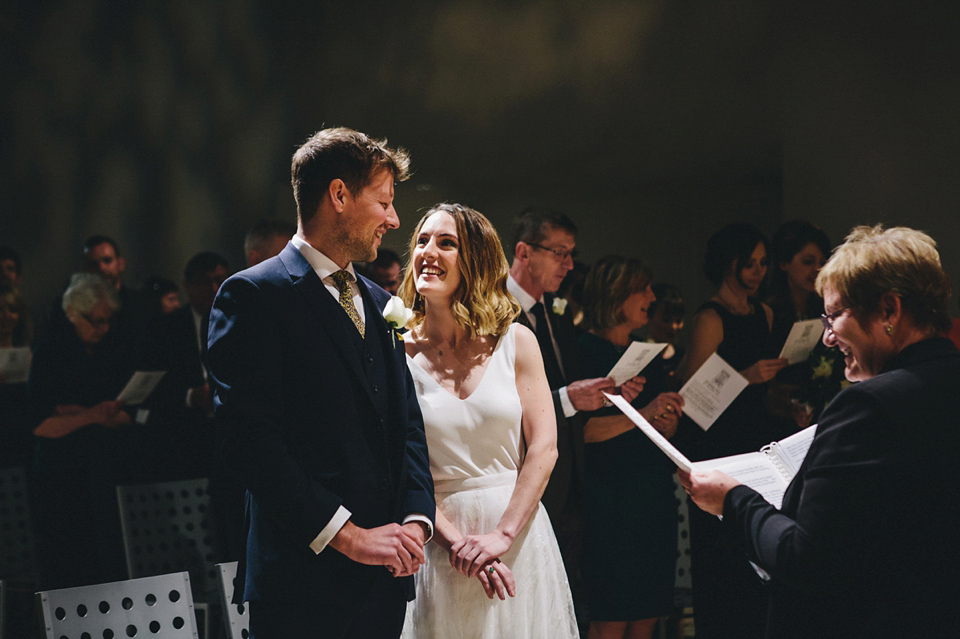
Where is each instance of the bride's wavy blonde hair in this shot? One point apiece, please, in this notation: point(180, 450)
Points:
point(481, 304)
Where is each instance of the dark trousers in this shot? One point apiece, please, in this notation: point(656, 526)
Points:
point(380, 616)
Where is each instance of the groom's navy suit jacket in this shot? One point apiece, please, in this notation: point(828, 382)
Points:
point(313, 417)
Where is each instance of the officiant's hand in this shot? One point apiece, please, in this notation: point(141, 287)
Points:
point(707, 489)
point(497, 579)
point(471, 553)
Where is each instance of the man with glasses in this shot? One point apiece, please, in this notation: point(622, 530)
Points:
point(544, 247)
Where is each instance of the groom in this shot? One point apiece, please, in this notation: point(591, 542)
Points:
point(318, 412)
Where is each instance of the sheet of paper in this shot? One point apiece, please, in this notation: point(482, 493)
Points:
point(634, 360)
point(711, 389)
point(753, 469)
point(655, 436)
point(803, 337)
point(140, 386)
point(794, 448)
point(15, 364)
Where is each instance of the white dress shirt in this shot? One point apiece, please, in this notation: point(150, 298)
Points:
point(527, 302)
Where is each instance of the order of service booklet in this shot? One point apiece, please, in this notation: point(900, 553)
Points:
point(768, 471)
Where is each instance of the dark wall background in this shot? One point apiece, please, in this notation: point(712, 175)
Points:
point(169, 125)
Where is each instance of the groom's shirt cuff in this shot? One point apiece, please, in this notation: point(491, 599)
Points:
point(330, 530)
point(423, 519)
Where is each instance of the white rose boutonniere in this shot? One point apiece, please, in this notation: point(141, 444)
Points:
point(559, 305)
point(397, 316)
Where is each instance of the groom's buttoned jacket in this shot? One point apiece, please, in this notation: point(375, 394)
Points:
point(313, 417)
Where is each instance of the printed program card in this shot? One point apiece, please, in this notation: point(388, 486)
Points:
point(711, 389)
point(801, 341)
point(635, 359)
point(15, 364)
point(140, 386)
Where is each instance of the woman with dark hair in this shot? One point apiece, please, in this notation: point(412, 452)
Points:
point(728, 595)
point(630, 518)
point(800, 249)
point(161, 296)
point(864, 544)
point(491, 433)
point(799, 392)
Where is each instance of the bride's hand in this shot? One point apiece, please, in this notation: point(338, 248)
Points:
point(470, 553)
point(497, 579)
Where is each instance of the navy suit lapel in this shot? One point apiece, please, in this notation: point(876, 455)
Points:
point(333, 319)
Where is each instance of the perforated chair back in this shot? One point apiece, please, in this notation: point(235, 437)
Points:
point(159, 606)
point(166, 527)
point(234, 615)
point(17, 556)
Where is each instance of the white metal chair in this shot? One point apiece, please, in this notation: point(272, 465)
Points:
point(235, 617)
point(166, 527)
point(160, 606)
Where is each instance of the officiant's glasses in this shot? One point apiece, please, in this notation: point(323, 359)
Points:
point(829, 318)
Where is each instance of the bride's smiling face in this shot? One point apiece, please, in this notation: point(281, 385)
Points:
point(435, 257)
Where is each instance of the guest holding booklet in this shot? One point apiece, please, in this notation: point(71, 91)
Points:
point(727, 594)
point(865, 542)
point(83, 440)
point(630, 536)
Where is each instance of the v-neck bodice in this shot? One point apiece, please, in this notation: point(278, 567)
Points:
point(480, 434)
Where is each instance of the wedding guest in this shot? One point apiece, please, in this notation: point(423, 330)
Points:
point(728, 598)
point(11, 267)
point(266, 239)
point(385, 270)
point(630, 540)
point(161, 295)
point(488, 416)
point(16, 443)
point(799, 251)
point(544, 249)
point(82, 443)
point(667, 314)
point(864, 544)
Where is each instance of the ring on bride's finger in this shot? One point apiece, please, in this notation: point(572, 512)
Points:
point(491, 570)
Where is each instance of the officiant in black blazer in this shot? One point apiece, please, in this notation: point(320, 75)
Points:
point(865, 543)
point(319, 413)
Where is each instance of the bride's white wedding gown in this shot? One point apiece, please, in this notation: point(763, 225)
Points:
point(476, 449)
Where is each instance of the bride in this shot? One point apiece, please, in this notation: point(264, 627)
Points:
point(494, 569)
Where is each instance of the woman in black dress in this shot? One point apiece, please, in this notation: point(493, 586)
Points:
point(630, 536)
point(728, 599)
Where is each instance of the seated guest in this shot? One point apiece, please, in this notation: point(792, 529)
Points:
point(266, 239)
point(630, 536)
point(385, 270)
point(16, 443)
point(82, 443)
point(10, 266)
point(864, 544)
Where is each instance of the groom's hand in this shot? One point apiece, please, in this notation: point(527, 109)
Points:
point(418, 532)
point(389, 546)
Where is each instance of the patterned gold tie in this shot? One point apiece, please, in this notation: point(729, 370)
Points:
point(342, 279)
